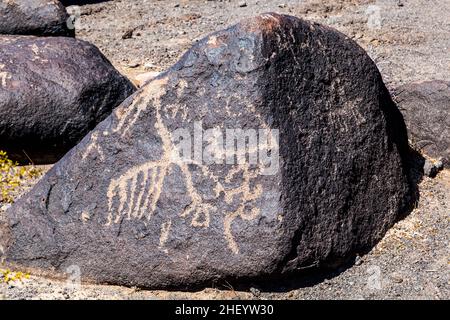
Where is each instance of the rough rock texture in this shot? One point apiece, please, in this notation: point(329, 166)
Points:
point(125, 209)
point(53, 91)
point(426, 109)
point(34, 17)
point(79, 2)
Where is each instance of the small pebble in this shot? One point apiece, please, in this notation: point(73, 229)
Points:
point(429, 169)
point(133, 64)
point(149, 66)
point(397, 279)
point(255, 292)
point(128, 34)
point(5, 207)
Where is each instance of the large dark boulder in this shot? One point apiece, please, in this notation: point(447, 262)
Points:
point(53, 91)
point(426, 109)
point(132, 205)
point(34, 17)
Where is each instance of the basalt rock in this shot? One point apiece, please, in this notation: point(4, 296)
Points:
point(34, 17)
point(137, 202)
point(426, 109)
point(53, 91)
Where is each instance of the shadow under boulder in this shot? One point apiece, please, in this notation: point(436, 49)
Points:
point(53, 91)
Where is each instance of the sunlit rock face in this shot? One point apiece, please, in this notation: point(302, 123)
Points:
point(167, 193)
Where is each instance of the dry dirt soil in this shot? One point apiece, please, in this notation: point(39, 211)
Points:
point(408, 39)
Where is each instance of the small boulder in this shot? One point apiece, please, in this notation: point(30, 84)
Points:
point(270, 147)
point(429, 169)
point(34, 17)
point(53, 91)
point(439, 164)
point(426, 109)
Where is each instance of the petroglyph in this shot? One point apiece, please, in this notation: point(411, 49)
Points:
point(339, 117)
point(248, 195)
point(152, 92)
point(4, 75)
point(35, 49)
point(94, 146)
point(165, 229)
point(134, 194)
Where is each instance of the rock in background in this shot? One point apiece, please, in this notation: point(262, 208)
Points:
point(426, 109)
point(53, 91)
point(34, 17)
point(126, 210)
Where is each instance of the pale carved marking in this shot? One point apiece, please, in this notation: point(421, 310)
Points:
point(134, 194)
point(165, 230)
point(94, 145)
point(4, 75)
